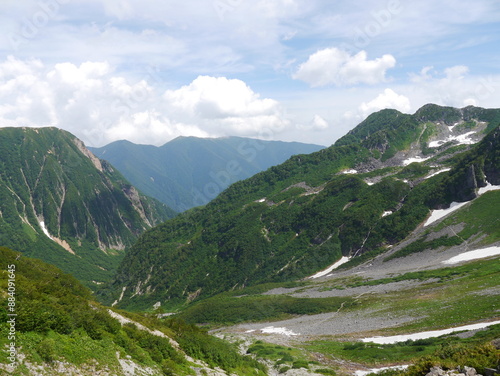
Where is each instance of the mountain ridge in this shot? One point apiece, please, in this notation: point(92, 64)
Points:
point(190, 171)
point(62, 204)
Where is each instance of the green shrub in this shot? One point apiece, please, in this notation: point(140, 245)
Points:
point(325, 371)
point(300, 364)
point(46, 350)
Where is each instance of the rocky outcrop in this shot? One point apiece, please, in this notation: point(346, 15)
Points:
point(460, 371)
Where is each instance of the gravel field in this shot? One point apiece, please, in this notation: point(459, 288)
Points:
point(351, 324)
point(358, 323)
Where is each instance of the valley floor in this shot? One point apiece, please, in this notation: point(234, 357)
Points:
point(381, 311)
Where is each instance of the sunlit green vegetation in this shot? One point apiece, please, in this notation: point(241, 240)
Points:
point(57, 319)
point(239, 239)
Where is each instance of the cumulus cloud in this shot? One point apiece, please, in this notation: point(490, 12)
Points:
point(388, 99)
point(226, 106)
point(96, 104)
point(333, 66)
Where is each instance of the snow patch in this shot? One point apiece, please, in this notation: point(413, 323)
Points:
point(474, 255)
point(488, 188)
point(283, 331)
point(322, 273)
point(463, 139)
point(429, 334)
point(44, 229)
point(440, 213)
point(408, 161)
point(438, 172)
point(377, 370)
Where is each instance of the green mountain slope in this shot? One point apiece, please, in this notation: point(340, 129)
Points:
point(59, 203)
point(190, 171)
point(51, 325)
point(352, 199)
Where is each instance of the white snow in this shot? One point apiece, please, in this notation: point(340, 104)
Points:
point(322, 273)
point(377, 370)
point(386, 213)
point(473, 255)
point(463, 139)
point(488, 188)
point(350, 172)
point(44, 229)
point(438, 214)
point(408, 161)
point(429, 334)
point(284, 331)
point(438, 172)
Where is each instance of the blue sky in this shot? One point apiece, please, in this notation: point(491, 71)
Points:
point(293, 70)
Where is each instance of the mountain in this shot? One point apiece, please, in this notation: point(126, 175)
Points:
point(189, 171)
point(51, 325)
point(355, 199)
point(60, 203)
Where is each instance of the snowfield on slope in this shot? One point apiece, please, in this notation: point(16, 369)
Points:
point(322, 273)
point(429, 334)
point(454, 206)
point(474, 255)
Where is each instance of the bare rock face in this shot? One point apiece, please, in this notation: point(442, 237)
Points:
point(461, 371)
point(491, 167)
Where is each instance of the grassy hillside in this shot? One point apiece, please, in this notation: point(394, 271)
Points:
point(60, 330)
point(299, 217)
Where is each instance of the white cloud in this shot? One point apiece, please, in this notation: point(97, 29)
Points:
point(317, 124)
point(226, 106)
point(388, 99)
point(454, 86)
point(94, 103)
point(333, 66)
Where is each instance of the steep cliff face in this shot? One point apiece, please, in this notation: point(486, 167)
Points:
point(62, 204)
